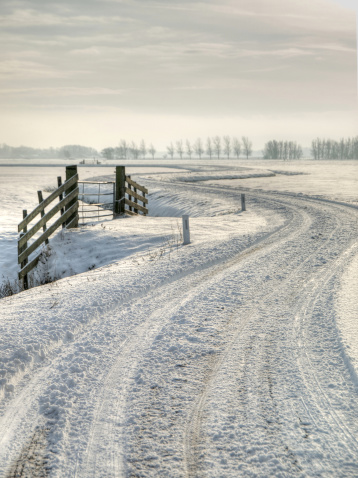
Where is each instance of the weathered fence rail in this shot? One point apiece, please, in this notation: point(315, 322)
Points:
point(68, 209)
point(126, 193)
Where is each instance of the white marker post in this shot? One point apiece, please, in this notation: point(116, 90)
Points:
point(186, 232)
point(243, 202)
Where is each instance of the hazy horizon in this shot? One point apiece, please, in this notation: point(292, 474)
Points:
point(94, 72)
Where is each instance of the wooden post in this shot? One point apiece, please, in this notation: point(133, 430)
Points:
point(136, 201)
point(114, 200)
point(59, 184)
point(243, 203)
point(129, 196)
point(25, 282)
point(70, 172)
point(120, 188)
point(39, 194)
point(144, 204)
point(186, 232)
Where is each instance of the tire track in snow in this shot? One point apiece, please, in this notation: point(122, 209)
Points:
point(102, 430)
point(193, 428)
point(272, 243)
point(31, 386)
point(112, 399)
point(326, 411)
point(192, 436)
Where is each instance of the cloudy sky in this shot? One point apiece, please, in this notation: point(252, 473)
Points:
point(95, 71)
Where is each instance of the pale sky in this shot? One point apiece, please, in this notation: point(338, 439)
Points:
point(94, 71)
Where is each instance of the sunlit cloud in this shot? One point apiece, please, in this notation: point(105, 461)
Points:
point(179, 59)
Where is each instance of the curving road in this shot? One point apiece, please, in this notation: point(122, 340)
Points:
point(231, 366)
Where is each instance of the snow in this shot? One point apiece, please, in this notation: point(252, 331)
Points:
point(232, 356)
point(347, 315)
point(337, 180)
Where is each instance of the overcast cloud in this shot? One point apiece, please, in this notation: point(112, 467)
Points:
point(91, 72)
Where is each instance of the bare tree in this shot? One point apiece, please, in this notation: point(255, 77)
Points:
point(170, 150)
point(247, 146)
point(236, 147)
point(285, 150)
point(198, 147)
point(143, 148)
point(299, 152)
point(188, 148)
point(152, 150)
point(108, 153)
point(332, 149)
point(282, 150)
point(179, 148)
point(217, 146)
point(134, 150)
point(124, 147)
point(227, 146)
point(209, 147)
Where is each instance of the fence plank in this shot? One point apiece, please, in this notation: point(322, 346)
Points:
point(136, 206)
point(136, 185)
point(131, 213)
point(47, 217)
point(73, 209)
point(137, 196)
point(39, 194)
point(46, 202)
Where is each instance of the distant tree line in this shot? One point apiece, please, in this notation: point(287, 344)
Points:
point(331, 149)
point(282, 150)
point(213, 147)
point(64, 152)
point(128, 150)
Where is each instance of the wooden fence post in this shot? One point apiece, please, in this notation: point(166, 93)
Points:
point(136, 201)
point(59, 184)
point(129, 196)
point(25, 282)
point(39, 194)
point(71, 171)
point(243, 203)
point(144, 205)
point(120, 189)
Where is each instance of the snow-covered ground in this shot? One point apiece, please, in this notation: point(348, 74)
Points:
point(233, 356)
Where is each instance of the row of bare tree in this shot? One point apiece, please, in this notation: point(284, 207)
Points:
point(282, 150)
point(127, 150)
point(346, 148)
point(215, 146)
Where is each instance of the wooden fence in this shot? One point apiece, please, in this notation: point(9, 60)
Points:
point(125, 194)
point(68, 209)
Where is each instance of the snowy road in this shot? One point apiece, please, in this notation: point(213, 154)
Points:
point(226, 360)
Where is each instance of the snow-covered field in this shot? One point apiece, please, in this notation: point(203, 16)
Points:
point(233, 356)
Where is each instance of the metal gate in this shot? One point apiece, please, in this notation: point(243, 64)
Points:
point(96, 200)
